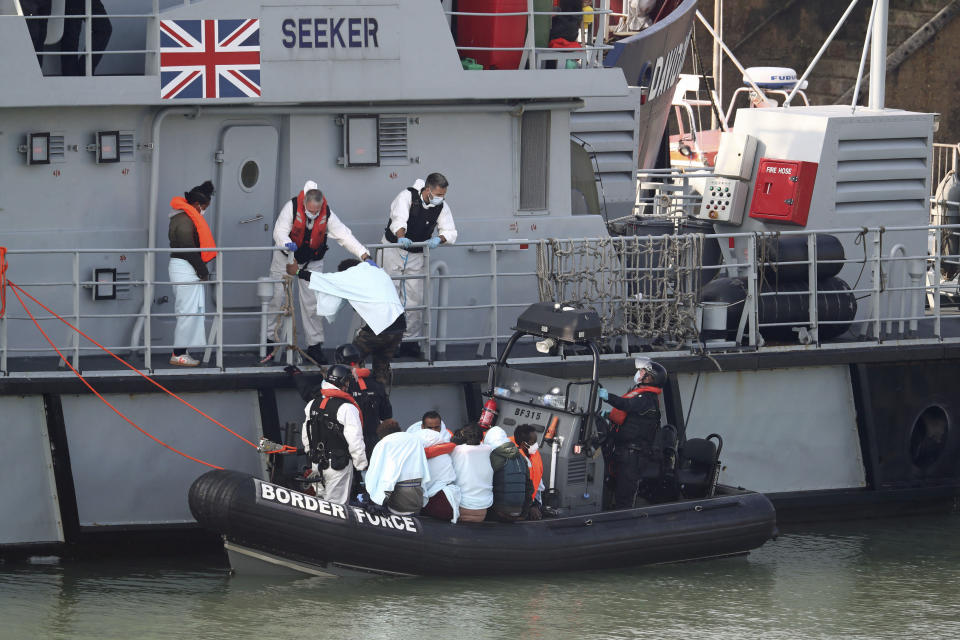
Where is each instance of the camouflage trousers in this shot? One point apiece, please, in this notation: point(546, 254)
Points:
point(381, 349)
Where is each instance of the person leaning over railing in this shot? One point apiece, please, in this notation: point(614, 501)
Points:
point(188, 230)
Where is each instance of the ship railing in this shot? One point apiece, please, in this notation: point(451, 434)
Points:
point(900, 296)
point(57, 20)
point(591, 41)
point(67, 298)
point(945, 159)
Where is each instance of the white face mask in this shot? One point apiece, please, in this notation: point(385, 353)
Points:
point(532, 448)
point(435, 200)
point(312, 216)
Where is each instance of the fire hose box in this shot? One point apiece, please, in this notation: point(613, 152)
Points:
point(783, 191)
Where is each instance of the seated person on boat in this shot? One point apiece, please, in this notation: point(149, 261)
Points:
point(441, 498)
point(398, 473)
point(471, 463)
point(512, 489)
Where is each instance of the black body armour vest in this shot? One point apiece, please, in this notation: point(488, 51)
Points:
point(639, 429)
point(420, 224)
point(328, 446)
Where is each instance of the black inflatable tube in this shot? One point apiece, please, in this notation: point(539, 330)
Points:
point(230, 503)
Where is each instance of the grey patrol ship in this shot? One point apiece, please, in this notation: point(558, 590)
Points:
point(259, 97)
point(539, 160)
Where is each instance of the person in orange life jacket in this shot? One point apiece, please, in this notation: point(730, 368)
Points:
point(382, 346)
point(525, 437)
point(188, 230)
point(300, 237)
point(415, 215)
point(371, 396)
point(332, 436)
point(636, 419)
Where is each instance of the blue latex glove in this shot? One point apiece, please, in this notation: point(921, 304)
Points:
point(371, 262)
point(604, 412)
point(291, 246)
point(404, 242)
point(602, 393)
point(433, 242)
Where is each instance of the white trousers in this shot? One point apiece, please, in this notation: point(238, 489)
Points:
point(336, 484)
point(311, 325)
point(398, 262)
point(188, 297)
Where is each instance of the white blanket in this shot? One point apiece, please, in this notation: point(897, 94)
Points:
point(368, 289)
point(417, 426)
point(442, 476)
point(397, 457)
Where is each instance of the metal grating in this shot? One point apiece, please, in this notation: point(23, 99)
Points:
point(392, 138)
point(125, 146)
point(534, 159)
point(58, 148)
point(882, 174)
point(577, 471)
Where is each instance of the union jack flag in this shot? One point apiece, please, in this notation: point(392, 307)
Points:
point(209, 59)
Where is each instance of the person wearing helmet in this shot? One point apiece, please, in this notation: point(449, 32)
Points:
point(635, 418)
point(332, 435)
point(370, 395)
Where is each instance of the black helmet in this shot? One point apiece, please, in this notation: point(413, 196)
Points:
point(339, 376)
point(348, 353)
point(652, 367)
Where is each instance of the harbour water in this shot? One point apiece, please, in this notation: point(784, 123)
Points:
point(897, 578)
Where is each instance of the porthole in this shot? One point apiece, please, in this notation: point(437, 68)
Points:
point(929, 436)
point(249, 174)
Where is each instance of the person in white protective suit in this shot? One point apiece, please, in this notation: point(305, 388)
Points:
point(300, 237)
point(441, 498)
point(416, 214)
point(332, 436)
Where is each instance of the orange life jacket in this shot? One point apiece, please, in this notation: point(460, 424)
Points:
point(536, 467)
point(618, 416)
point(439, 449)
point(343, 395)
point(203, 229)
point(319, 233)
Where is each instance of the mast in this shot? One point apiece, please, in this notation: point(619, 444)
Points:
point(717, 57)
point(878, 56)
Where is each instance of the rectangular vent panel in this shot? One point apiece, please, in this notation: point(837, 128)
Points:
point(392, 138)
point(577, 471)
point(58, 147)
point(882, 176)
point(534, 159)
point(125, 146)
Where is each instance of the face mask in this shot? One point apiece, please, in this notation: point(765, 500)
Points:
point(435, 200)
point(312, 216)
point(532, 448)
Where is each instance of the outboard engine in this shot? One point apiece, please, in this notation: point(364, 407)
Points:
point(660, 482)
point(699, 466)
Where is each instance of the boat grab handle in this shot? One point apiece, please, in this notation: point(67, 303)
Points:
point(254, 219)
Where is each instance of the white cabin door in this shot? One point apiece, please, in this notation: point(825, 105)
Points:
point(245, 211)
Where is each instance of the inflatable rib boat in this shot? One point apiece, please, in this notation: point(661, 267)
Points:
point(271, 529)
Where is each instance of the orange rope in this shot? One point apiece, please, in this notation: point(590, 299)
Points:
point(89, 386)
point(119, 359)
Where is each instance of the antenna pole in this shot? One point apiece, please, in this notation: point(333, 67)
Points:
point(878, 56)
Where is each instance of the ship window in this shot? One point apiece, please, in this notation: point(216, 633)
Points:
point(534, 160)
point(249, 174)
